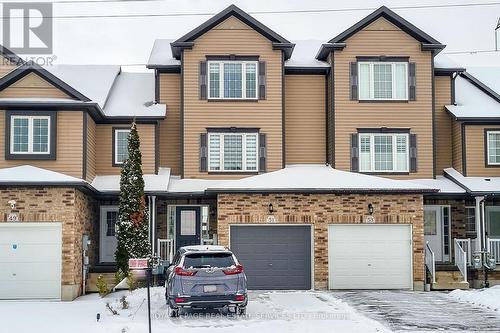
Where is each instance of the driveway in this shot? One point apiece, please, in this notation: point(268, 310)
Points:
point(411, 311)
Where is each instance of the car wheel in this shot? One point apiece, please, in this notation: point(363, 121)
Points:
point(242, 310)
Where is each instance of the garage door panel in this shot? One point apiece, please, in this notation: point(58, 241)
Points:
point(274, 257)
point(369, 256)
point(30, 257)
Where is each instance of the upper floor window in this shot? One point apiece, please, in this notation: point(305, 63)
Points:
point(30, 135)
point(120, 145)
point(233, 152)
point(380, 152)
point(232, 79)
point(493, 147)
point(383, 80)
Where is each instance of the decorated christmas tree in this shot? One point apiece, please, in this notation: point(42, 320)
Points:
point(132, 231)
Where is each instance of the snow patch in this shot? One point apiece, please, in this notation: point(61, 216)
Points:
point(488, 297)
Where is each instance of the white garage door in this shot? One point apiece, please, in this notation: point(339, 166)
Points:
point(375, 256)
point(30, 260)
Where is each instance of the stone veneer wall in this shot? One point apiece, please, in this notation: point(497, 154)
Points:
point(75, 210)
point(322, 210)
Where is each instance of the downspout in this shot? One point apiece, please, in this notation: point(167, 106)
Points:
point(479, 238)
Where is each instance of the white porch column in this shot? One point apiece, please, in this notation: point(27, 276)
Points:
point(479, 231)
point(153, 223)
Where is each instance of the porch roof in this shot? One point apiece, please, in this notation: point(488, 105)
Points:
point(443, 184)
point(31, 175)
point(152, 183)
point(192, 186)
point(318, 178)
point(474, 185)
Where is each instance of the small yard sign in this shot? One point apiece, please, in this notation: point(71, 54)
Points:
point(140, 263)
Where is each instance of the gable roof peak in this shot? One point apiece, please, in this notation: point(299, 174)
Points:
point(186, 41)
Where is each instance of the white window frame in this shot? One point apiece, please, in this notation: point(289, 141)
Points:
point(394, 152)
point(30, 135)
point(372, 81)
point(243, 151)
point(488, 147)
point(243, 78)
point(117, 130)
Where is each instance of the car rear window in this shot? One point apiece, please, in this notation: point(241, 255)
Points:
point(201, 260)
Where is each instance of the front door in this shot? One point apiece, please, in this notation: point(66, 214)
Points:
point(108, 242)
point(493, 221)
point(433, 230)
point(187, 226)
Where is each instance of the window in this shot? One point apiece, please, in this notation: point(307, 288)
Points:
point(232, 151)
point(383, 80)
point(470, 219)
point(120, 145)
point(111, 219)
point(30, 135)
point(232, 80)
point(383, 152)
point(493, 147)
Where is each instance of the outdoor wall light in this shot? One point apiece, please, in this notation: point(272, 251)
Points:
point(370, 209)
point(271, 208)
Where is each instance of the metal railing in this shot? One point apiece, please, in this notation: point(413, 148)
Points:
point(461, 259)
point(166, 249)
point(430, 261)
point(494, 248)
point(466, 245)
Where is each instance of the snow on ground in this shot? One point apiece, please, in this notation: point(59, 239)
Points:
point(488, 297)
point(294, 311)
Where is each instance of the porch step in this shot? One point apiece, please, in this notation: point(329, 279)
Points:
point(448, 280)
point(91, 285)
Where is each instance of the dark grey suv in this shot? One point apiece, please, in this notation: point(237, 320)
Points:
point(205, 276)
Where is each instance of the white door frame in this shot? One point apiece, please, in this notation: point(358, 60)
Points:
point(445, 257)
point(102, 230)
point(311, 227)
point(371, 224)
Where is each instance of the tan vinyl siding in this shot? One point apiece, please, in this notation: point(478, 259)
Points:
point(456, 132)
point(305, 119)
point(383, 38)
point(32, 86)
point(170, 128)
point(91, 148)
point(443, 121)
point(231, 37)
point(69, 150)
point(104, 150)
point(475, 151)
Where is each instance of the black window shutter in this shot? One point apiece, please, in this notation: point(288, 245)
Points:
point(354, 153)
point(203, 152)
point(262, 152)
point(353, 77)
point(262, 80)
point(413, 153)
point(203, 80)
point(412, 82)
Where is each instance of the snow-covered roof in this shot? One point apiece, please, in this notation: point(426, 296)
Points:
point(27, 174)
point(471, 102)
point(161, 54)
point(298, 178)
point(443, 184)
point(93, 81)
point(490, 76)
point(475, 185)
point(152, 183)
point(178, 185)
point(304, 54)
point(133, 94)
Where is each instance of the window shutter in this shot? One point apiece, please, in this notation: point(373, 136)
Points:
point(262, 80)
point(203, 80)
point(413, 153)
point(354, 153)
point(412, 82)
point(203, 152)
point(262, 152)
point(354, 81)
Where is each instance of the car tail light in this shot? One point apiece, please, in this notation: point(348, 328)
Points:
point(234, 270)
point(182, 272)
point(180, 300)
point(240, 298)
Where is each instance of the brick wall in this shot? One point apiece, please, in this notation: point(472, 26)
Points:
point(76, 211)
point(322, 210)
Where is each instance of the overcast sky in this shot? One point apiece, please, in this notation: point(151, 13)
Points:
point(129, 40)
